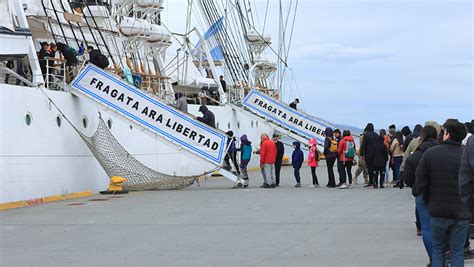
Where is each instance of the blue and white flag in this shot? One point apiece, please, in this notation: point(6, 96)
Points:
point(210, 36)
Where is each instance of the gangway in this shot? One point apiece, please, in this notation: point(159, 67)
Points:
point(107, 90)
point(293, 123)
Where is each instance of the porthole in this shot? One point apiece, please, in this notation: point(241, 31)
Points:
point(109, 123)
point(58, 120)
point(28, 118)
point(85, 121)
point(228, 125)
point(251, 124)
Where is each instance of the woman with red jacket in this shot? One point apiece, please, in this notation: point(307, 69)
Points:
point(346, 150)
point(313, 158)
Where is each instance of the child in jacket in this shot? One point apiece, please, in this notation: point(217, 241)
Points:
point(297, 161)
point(245, 155)
point(313, 160)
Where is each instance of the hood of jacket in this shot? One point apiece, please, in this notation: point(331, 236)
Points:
point(348, 138)
point(297, 145)
point(435, 125)
point(203, 109)
point(406, 131)
point(245, 140)
point(417, 130)
point(312, 142)
point(428, 144)
point(369, 127)
point(230, 133)
point(328, 132)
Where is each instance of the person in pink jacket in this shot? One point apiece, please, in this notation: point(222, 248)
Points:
point(347, 151)
point(313, 159)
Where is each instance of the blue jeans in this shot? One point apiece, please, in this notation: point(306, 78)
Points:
point(397, 162)
point(425, 221)
point(448, 234)
point(296, 172)
point(387, 171)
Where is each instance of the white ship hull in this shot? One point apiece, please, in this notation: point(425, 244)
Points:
point(45, 159)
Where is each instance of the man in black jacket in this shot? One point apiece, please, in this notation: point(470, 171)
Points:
point(208, 117)
point(437, 181)
point(279, 157)
point(367, 150)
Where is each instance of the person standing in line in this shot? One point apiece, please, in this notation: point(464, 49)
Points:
point(294, 104)
point(428, 139)
point(466, 184)
point(386, 141)
point(339, 163)
point(313, 161)
point(367, 150)
point(392, 130)
point(330, 153)
point(297, 159)
point(396, 149)
point(361, 166)
point(245, 155)
point(267, 161)
point(347, 151)
point(208, 117)
point(279, 157)
point(437, 180)
point(379, 161)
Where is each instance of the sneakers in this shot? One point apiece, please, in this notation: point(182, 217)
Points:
point(265, 186)
point(342, 186)
point(298, 185)
point(375, 187)
point(382, 187)
point(349, 185)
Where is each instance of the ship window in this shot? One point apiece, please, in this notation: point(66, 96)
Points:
point(28, 118)
point(85, 121)
point(256, 124)
point(251, 124)
point(109, 123)
point(131, 127)
point(58, 120)
point(228, 125)
point(238, 125)
point(217, 125)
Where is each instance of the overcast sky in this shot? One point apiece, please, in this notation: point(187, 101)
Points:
point(384, 61)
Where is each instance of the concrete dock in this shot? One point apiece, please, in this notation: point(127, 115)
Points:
point(215, 225)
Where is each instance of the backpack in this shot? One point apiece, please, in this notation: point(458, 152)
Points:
point(350, 150)
point(102, 61)
point(333, 145)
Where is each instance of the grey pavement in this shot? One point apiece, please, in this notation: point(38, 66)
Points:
point(215, 225)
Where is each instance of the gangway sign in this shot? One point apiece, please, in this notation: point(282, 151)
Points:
point(181, 129)
point(284, 116)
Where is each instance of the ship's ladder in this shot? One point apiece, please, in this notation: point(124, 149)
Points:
point(198, 140)
point(286, 120)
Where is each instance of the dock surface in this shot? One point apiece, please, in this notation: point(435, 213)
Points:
point(216, 225)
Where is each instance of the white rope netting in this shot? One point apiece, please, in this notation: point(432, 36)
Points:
point(116, 161)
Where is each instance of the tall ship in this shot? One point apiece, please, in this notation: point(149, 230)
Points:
point(59, 132)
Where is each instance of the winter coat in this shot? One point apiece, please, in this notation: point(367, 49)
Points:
point(342, 147)
point(380, 155)
point(466, 175)
point(245, 149)
point(414, 143)
point(267, 151)
point(437, 179)
point(182, 104)
point(42, 61)
point(387, 141)
point(313, 155)
point(396, 149)
point(297, 157)
point(208, 117)
point(367, 147)
point(327, 144)
point(411, 137)
point(280, 151)
point(411, 164)
point(406, 131)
